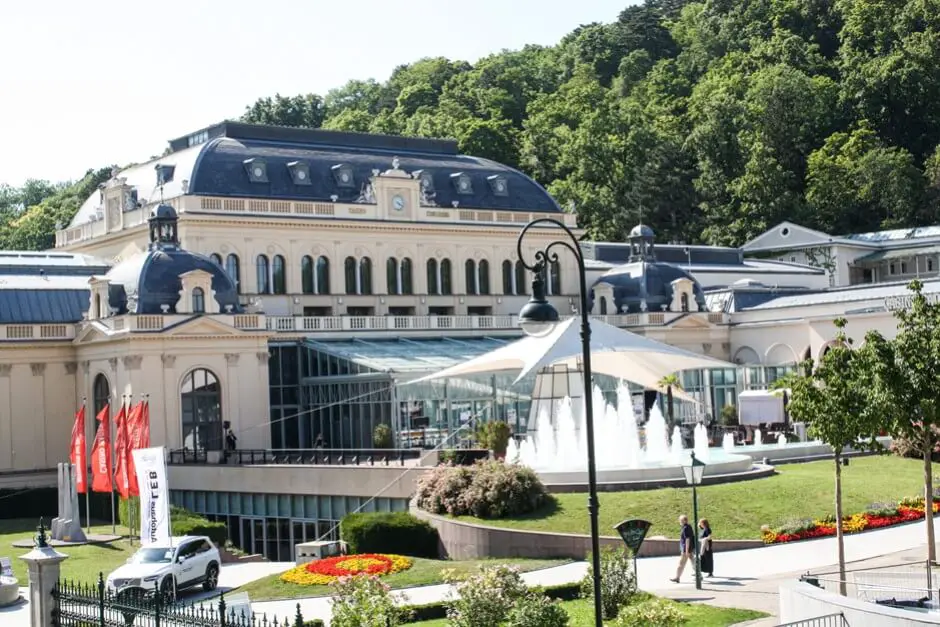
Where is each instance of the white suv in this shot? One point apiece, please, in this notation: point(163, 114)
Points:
point(182, 563)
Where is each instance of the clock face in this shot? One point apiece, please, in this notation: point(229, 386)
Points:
point(398, 203)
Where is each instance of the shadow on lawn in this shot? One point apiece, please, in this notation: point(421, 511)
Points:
point(550, 508)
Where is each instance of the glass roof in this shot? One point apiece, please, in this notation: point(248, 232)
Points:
point(411, 356)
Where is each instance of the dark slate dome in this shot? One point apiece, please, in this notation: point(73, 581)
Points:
point(150, 281)
point(644, 283)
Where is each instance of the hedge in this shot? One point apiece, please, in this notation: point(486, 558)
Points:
point(438, 609)
point(463, 456)
point(399, 533)
point(184, 522)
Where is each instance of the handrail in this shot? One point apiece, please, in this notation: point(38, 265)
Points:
point(309, 456)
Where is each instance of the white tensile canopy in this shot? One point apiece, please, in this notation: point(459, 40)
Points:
point(615, 352)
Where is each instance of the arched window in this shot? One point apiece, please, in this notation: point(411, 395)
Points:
point(446, 279)
point(483, 277)
point(684, 301)
point(432, 277)
point(306, 274)
point(201, 404)
point(216, 258)
point(262, 275)
point(365, 276)
point(470, 276)
point(323, 275)
point(554, 278)
point(349, 268)
point(520, 279)
point(231, 266)
point(407, 283)
point(391, 276)
point(199, 300)
point(101, 393)
point(603, 305)
point(280, 275)
point(507, 278)
point(94, 315)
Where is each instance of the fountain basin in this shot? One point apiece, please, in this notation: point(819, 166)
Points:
point(792, 451)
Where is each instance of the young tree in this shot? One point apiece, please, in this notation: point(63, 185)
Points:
point(831, 398)
point(666, 384)
point(907, 383)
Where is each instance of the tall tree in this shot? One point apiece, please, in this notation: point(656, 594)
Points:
point(831, 398)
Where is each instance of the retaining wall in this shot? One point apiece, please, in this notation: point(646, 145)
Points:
point(802, 601)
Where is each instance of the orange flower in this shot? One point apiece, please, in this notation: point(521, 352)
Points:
point(328, 570)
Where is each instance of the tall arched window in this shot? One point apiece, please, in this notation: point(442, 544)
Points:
point(201, 404)
point(263, 270)
point(470, 276)
point(101, 393)
point(365, 276)
point(306, 274)
point(603, 305)
point(508, 278)
point(407, 282)
point(447, 286)
point(323, 275)
point(483, 277)
point(231, 266)
point(432, 277)
point(350, 270)
point(199, 300)
point(391, 276)
point(216, 257)
point(279, 273)
point(554, 278)
point(684, 301)
point(520, 279)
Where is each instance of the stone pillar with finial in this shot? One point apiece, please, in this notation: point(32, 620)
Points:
point(43, 563)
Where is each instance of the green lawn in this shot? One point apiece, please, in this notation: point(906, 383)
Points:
point(423, 572)
point(581, 612)
point(84, 562)
point(737, 510)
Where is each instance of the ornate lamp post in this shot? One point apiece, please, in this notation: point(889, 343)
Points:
point(538, 317)
point(693, 476)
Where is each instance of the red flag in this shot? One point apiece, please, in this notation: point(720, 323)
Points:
point(77, 453)
point(134, 426)
point(121, 453)
point(101, 453)
point(144, 437)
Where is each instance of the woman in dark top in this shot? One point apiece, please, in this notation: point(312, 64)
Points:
point(707, 562)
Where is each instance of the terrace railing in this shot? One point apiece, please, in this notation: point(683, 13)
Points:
point(829, 620)
point(908, 584)
point(308, 456)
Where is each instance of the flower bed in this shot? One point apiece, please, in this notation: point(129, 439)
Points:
point(328, 570)
point(875, 517)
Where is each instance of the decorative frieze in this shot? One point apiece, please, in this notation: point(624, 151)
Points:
point(112, 363)
point(168, 360)
point(231, 359)
point(38, 369)
point(71, 367)
point(263, 357)
point(132, 362)
point(706, 348)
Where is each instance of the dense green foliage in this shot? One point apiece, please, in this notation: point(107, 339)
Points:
point(489, 489)
point(184, 522)
point(399, 533)
point(711, 120)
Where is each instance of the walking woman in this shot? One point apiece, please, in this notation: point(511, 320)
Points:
point(707, 562)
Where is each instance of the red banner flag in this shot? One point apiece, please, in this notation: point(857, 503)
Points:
point(134, 429)
point(121, 453)
point(101, 453)
point(144, 433)
point(77, 454)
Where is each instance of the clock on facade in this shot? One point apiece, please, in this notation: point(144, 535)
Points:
point(398, 203)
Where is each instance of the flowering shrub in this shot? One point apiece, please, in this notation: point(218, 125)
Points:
point(363, 602)
point(488, 489)
point(659, 612)
point(486, 598)
point(537, 610)
point(875, 517)
point(330, 569)
point(618, 581)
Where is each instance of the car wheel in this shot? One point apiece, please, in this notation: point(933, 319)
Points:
point(167, 587)
point(212, 578)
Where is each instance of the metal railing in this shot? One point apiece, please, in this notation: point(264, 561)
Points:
point(829, 620)
point(907, 584)
point(306, 456)
point(84, 605)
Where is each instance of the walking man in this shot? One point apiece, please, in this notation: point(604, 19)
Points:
point(686, 545)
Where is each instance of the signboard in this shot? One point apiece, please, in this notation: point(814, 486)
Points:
point(150, 464)
point(633, 532)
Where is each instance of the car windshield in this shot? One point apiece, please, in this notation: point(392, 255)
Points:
point(153, 556)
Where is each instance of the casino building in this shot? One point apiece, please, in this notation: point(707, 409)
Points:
point(287, 280)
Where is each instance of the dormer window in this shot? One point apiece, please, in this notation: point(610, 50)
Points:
point(164, 173)
point(199, 300)
point(427, 181)
point(343, 175)
point(462, 183)
point(498, 184)
point(257, 170)
point(299, 172)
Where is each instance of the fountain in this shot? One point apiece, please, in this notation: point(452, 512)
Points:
point(700, 445)
point(781, 440)
point(758, 438)
point(727, 442)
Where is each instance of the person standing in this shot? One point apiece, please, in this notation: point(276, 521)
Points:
point(707, 561)
point(686, 544)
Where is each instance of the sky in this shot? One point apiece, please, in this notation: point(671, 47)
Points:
point(88, 84)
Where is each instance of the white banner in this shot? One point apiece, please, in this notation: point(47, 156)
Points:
point(154, 495)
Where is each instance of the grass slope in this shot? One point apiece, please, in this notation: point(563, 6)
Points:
point(423, 572)
point(737, 510)
point(84, 563)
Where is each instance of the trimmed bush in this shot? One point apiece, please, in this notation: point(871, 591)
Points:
point(659, 612)
point(488, 489)
point(464, 456)
point(618, 580)
point(434, 611)
point(399, 533)
point(183, 522)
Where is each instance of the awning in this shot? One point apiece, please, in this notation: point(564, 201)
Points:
point(897, 253)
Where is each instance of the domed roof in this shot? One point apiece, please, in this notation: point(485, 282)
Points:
point(164, 212)
point(641, 230)
point(650, 282)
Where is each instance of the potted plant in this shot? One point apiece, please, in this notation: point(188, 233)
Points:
point(382, 436)
point(495, 435)
point(729, 416)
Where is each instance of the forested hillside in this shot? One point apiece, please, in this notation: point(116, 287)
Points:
point(711, 121)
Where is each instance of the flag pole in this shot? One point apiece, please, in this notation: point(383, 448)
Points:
point(113, 455)
point(84, 468)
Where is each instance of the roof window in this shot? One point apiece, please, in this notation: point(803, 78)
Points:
point(343, 175)
point(462, 183)
point(299, 172)
point(498, 184)
point(257, 170)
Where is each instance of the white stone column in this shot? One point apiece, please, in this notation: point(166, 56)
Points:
point(43, 563)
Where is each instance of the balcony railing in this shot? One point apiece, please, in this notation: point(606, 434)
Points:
point(34, 332)
point(309, 457)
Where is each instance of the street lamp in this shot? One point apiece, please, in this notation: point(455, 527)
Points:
point(693, 476)
point(538, 317)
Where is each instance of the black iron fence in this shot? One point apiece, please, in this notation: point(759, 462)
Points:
point(309, 456)
point(93, 605)
point(829, 620)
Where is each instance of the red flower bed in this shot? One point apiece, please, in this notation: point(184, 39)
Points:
point(908, 511)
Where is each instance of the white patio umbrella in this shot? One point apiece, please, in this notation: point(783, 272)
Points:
point(614, 352)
